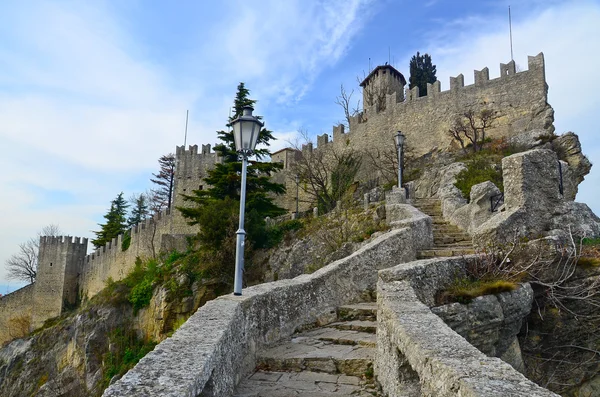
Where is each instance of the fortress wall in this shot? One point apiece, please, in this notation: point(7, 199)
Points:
point(111, 261)
point(15, 308)
point(519, 98)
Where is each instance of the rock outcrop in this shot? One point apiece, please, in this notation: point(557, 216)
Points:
point(491, 322)
point(533, 203)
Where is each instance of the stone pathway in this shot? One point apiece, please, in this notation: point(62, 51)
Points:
point(334, 360)
point(448, 240)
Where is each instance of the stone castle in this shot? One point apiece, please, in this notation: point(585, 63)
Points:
point(67, 274)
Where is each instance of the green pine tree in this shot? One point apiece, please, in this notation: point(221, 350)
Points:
point(116, 222)
point(422, 71)
point(224, 181)
point(139, 211)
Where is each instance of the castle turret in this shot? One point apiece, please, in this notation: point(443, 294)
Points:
point(60, 261)
point(382, 81)
point(191, 168)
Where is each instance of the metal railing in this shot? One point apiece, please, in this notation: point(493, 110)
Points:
point(496, 201)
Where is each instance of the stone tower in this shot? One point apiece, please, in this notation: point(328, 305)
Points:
point(191, 168)
point(382, 81)
point(60, 262)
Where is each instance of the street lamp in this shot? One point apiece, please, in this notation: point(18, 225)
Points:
point(245, 134)
point(297, 184)
point(399, 137)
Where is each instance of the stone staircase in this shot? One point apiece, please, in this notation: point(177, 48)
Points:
point(333, 360)
point(448, 240)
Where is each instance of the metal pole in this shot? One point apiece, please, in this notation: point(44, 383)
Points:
point(241, 234)
point(297, 184)
point(400, 166)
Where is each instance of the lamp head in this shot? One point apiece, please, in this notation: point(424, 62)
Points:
point(245, 131)
point(399, 137)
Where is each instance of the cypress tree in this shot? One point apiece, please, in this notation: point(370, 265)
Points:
point(422, 71)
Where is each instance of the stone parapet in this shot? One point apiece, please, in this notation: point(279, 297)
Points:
point(212, 351)
point(413, 341)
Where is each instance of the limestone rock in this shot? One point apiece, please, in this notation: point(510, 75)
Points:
point(470, 216)
point(569, 149)
point(491, 323)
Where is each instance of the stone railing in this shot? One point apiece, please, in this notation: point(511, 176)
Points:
point(414, 342)
point(211, 352)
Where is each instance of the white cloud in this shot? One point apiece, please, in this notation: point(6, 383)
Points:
point(84, 111)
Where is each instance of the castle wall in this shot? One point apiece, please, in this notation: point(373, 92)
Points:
point(287, 176)
point(519, 98)
point(15, 312)
point(111, 261)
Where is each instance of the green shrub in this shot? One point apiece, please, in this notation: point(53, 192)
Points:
point(126, 241)
point(141, 294)
point(479, 169)
point(126, 350)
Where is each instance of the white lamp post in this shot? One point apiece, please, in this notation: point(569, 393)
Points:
point(399, 137)
point(297, 184)
point(245, 133)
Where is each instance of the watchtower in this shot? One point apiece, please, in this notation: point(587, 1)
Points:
point(382, 81)
point(191, 168)
point(60, 261)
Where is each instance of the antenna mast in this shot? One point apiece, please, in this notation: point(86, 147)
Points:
point(187, 112)
point(510, 30)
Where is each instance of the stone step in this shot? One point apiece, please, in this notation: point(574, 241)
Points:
point(307, 354)
point(447, 228)
point(360, 311)
point(342, 336)
point(461, 246)
point(306, 383)
point(445, 239)
point(433, 253)
point(356, 325)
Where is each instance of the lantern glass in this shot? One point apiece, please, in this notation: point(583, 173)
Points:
point(246, 129)
point(399, 139)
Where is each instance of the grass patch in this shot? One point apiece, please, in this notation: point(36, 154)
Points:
point(591, 241)
point(588, 262)
point(480, 168)
point(465, 290)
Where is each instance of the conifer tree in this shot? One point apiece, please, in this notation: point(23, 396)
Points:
point(422, 71)
point(224, 180)
point(139, 211)
point(164, 179)
point(116, 222)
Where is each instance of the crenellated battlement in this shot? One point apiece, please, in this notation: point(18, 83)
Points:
point(416, 114)
point(55, 240)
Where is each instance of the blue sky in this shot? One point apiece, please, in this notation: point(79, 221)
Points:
point(92, 93)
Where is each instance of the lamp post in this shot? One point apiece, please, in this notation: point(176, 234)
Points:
point(245, 133)
point(399, 137)
point(297, 184)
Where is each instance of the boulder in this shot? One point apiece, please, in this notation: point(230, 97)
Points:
point(469, 217)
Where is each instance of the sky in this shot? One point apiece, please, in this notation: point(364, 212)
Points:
point(92, 93)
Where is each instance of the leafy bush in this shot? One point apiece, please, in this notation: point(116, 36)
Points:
point(126, 241)
point(126, 350)
point(141, 294)
point(479, 169)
